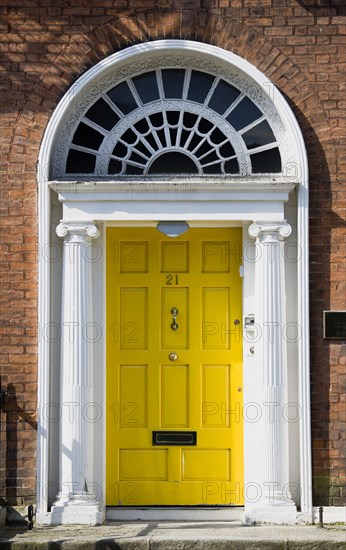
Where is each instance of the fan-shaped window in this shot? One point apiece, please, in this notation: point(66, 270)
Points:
point(173, 121)
point(173, 163)
point(190, 143)
point(200, 84)
point(146, 87)
point(243, 114)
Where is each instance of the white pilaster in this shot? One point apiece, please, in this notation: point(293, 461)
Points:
point(77, 501)
point(275, 504)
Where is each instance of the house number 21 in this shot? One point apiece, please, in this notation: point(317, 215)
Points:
point(172, 279)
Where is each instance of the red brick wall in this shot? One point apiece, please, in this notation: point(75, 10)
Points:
point(45, 46)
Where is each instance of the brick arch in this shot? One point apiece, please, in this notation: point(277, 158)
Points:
point(84, 51)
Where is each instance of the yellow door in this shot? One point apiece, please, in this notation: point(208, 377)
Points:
point(174, 372)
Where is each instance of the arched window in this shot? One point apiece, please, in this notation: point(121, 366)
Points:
point(168, 120)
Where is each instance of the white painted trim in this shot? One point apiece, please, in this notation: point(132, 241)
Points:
point(44, 293)
point(304, 346)
point(46, 153)
point(236, 206)
point(303, 308)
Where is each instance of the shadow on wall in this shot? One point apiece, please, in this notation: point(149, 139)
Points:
point(13, 418)
point(323, 223)
point(333, 7)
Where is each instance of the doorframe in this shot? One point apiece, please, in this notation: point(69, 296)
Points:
point(45, 240)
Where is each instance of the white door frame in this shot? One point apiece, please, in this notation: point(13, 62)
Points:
point(93, 208)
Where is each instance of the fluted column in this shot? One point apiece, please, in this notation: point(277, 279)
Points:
point(77, 501)
point(270, 359)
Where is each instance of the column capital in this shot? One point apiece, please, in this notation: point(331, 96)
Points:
point(270, 230)
point(81, 232)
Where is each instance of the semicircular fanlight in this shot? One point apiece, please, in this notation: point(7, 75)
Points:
point(173, 162)
point(174, 142)
point(173, 121)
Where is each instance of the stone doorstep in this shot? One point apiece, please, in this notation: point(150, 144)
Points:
point(18, 515)
point(175, 536)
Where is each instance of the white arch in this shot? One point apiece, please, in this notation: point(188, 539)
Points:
point(300, 169)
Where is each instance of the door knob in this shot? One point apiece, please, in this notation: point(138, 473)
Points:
point(173, 356)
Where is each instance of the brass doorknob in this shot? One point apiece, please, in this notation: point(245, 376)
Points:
point(173, 356)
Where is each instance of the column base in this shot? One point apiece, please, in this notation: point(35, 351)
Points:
point(271, 513)
point(76, 513)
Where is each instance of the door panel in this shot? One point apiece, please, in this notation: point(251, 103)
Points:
point(133, 319)
point(133, 392)
point(174, 381)
point(215, 319)
point(174, 257)
point(180, 297)
point(216, 385)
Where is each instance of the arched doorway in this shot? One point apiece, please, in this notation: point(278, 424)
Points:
point(167, 131)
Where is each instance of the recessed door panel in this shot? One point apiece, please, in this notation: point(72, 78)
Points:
point(215, 256)
point(174, 318)
point(133, 318)
point(206, 465)
point(216, 387)
point(133, 257)
point(174, 257)
point(133, 396)
point(175, 396)
point(139, 465)
point(215, 306)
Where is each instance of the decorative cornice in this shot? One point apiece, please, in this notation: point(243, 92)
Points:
point(195, 183)
point(270, 230)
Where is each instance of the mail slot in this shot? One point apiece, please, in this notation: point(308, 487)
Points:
point(175, 438)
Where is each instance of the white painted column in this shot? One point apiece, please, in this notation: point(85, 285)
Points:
point(77, 501)
point(275, 502)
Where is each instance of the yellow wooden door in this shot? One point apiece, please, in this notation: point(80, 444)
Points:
point(174, 368)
